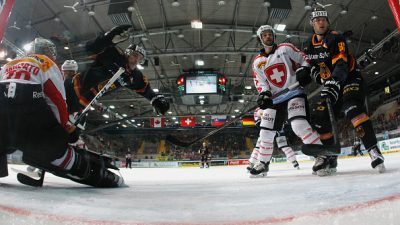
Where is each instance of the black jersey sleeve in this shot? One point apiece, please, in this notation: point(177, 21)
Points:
point(141, 85)
point(340, 58)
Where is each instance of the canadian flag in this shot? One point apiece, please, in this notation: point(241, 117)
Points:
point(157, 122)
point(188, 121)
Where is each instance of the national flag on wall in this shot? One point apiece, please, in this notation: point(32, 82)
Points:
point(188, 121)
point(248, 121)
point(157, 122)
point(218, 120)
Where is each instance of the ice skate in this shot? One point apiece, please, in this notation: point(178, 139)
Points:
point(321, 166)
point(333, 164)
point(260, 169)
point(296, 164)
point(249, 167)
point(377, 159)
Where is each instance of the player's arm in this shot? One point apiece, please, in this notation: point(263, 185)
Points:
point(141, 85)
point(111, 38)
point(264, 99)
point(340, 59)
point(53, 88)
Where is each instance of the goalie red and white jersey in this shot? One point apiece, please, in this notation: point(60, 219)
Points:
point(39, 69)
point(275, 72)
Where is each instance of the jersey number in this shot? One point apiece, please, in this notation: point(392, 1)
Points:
point(18, 74)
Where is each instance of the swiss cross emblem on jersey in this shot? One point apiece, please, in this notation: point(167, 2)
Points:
point(276, 74)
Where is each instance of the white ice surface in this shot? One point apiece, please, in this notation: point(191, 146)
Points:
point(218, 195)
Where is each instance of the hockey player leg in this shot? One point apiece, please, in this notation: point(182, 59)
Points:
point(254, 156)
point(87, 168)
point(261, 168)
point(365, 131)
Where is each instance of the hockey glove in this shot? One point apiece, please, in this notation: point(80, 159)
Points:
point(315, 74)
point(264, 100)
point(73, 132)
point(160, 104)
point(119, 34)
point(303, 76)
point(331, 90)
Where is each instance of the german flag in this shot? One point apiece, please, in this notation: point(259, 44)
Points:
point(248, 121)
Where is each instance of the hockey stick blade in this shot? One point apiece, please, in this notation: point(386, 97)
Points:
point(175, 141)
point(27, 180)
point(314, 150)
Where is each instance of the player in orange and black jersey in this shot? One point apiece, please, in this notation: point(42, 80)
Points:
point(335, 69)
point(107, 59)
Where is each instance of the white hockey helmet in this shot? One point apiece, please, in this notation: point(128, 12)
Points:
point(263, 29)
point(43, 46)
point(70, 65)
point(134, 48)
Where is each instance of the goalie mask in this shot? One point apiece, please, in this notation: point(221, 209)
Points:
point(43, 46)
point(133, 48)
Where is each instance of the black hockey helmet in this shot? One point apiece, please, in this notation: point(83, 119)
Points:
point(318, 12)
point(134, 48)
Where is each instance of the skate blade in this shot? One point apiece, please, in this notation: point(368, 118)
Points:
point(261, 175)
point(381, 168)
point(324, 172)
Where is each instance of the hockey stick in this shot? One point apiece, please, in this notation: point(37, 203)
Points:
point(100, 94)
point(115, 122)
point(176, 141)
point(335, 149)
point(27, 180)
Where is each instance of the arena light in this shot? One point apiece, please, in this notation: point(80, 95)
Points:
point(241, 100)
point(140, 67)
point(111, 107)
point(376, 73)
point(236, 110)
point(233, 116)
point(92, 108)
point(174, 118)
point(3, 54)
point(9, 59)
point(169, 112)
point(124, 126)
point(106, 116)
point(203, 117)
point(156, 90)
point(196, 24)
point(132, 121)
point(280, 26)
point(199, 62)
point(203, 110)
point(124, 115)
point(201, 97)
point(247, 87)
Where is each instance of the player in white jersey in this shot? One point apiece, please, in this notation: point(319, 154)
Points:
point(281, 143)
point(274, 70)
point(34, 119)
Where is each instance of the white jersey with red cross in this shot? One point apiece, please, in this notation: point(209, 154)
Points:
point(275, 72)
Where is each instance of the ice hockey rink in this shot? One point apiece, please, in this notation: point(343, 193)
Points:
point(218, 195)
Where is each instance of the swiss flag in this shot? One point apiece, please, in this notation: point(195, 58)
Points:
point(188, 121)
point(157, 122)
